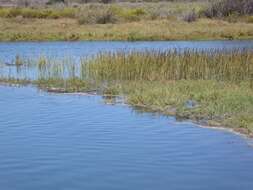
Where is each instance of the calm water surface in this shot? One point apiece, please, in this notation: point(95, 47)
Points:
point(50, 141)
point(8, 51)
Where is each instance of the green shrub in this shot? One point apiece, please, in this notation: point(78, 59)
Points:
point(133, 14)
point(38, 13)
point(4, 12)
point(13, 12)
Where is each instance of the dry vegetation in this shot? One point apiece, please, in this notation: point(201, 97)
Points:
point(69, 29)
point(126, 21)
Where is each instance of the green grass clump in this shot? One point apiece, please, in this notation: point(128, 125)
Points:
point(219, 83)
point(59, 85)
point(14, 81)
point(124, 14)
point(38, 13)
point(216, 103)
point(250, 19)
point(173, 65)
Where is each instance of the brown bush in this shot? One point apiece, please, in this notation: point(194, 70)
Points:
point(225, 8)
point(97, 17)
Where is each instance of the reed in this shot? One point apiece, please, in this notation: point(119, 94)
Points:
point(235, 65)
point(220, 65)
point(218, 84)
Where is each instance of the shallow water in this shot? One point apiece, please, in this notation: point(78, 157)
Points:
point(82, 49)
point(50, 141)
point(74, 52)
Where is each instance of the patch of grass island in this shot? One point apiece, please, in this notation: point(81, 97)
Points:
point(211, 87)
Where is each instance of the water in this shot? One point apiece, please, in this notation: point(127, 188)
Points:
point(50, 141)
point(73, 142)
point(74, 52)
point(9, 50)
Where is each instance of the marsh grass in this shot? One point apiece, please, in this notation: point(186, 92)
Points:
point(217, 103)
point(151, 65)
point(219, 83)
point(233, 66)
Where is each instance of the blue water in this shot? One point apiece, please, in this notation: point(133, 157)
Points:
point(75, 142)
point(50, 141)
point(9, 50)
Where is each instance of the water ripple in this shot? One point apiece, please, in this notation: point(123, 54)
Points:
point(52, 141)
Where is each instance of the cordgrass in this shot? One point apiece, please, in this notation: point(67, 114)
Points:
point(214, 103)
point(220, 65)
point(214, 88)
point(211, 87)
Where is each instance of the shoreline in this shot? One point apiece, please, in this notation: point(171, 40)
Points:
point(190, 85)
point(172, 113)
point(200, 124)
point(133, 41)
point(127, 40)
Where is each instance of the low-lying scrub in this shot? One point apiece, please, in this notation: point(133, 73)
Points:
point(122, 21)
point(92, 12)
point(191, 16)
point(109, 14)
point(226, 8)
point(103, 16)
point(51, 13)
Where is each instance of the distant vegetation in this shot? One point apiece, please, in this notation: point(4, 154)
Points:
point(38, 13)
point(121, 11)
point(95, 13)
point(82, 20)
point(226, 8)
